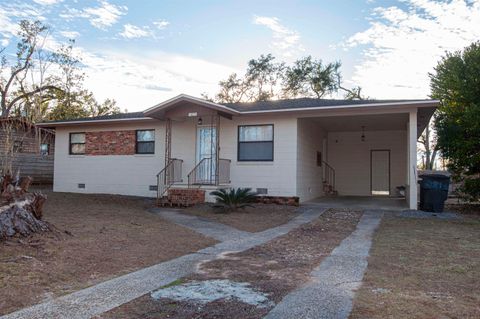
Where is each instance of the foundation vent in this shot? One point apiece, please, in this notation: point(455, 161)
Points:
point(262, 191)
point(81, 185)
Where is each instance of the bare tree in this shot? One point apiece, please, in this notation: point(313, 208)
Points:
point(428, 147)
point(14, 87)
point(258, 84)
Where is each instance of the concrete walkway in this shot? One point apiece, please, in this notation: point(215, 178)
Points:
point(105, 296)
point(330, 292)
point(201, 225)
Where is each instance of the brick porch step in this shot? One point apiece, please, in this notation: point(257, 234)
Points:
point(182, 197)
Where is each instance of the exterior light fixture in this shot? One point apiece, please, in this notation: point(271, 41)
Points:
point(363, 134)
point(200, 121)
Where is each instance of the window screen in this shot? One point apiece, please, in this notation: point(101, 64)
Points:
point(255, 143)
point(77, 143)
point(145, 142)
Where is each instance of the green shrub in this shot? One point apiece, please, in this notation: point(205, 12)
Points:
point(233, 199)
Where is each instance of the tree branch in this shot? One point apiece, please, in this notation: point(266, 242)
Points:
point(352, 92)
point(31, 93)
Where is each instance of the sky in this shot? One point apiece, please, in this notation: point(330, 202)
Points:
point(143, 52)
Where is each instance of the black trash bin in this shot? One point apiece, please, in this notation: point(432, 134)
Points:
point(433, 192)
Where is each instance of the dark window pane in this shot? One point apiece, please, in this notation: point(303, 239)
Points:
point(146, 136)
point(77, 138)
point(78, 148)
point(256, 151)
point(145, 147)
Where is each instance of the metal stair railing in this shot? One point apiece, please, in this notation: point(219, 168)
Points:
point(207, 173)
point(169, 175)
point(329, 177)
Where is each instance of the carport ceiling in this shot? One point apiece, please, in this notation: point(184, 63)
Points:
point(380, 122)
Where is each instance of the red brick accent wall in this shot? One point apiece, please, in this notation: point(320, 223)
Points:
point(110, 143)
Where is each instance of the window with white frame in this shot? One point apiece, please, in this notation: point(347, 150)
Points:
point(77, 143)
point(255, 142)
point(145, 142)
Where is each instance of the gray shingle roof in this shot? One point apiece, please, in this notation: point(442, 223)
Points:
point(254, 106)
point(303, 103)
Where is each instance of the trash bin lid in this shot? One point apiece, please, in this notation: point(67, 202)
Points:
point(434, 176)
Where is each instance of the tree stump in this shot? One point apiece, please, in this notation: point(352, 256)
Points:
point(21, 211)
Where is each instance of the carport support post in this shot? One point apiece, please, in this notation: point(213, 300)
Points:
point(412, 160)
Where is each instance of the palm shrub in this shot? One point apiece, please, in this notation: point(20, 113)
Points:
point(234, 198)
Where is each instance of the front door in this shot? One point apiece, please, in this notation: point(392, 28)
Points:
point(380, 172)
point(206, 154)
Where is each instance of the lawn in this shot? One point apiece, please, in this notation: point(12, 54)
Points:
point(107, 236)
point(255, 218)
point(422, 268)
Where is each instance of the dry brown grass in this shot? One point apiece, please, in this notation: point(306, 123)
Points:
point(422, 268)
point(112, 235)
point(275, 268)
point(252, 219)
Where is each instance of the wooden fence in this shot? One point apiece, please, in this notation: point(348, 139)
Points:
point(39, 167)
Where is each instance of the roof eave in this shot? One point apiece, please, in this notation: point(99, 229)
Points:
point(187, 98)
point(431, 103)
point(93, 121)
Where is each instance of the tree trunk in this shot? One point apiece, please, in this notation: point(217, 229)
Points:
point(20, 211)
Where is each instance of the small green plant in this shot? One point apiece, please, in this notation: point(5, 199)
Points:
point(233, 199)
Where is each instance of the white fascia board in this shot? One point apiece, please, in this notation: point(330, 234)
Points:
point(65, 123)
point(340, 107)
point(185, 97)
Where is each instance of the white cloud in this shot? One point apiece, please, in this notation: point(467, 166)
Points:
point(70, 34)
point(286, 41)
point(47, 2)
point(101, 17)
point(401, 46)
point(138, 81)
point(131, 31)
point(11, 13)
point(161, 24)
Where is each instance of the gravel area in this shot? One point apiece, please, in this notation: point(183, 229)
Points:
point(422, 214)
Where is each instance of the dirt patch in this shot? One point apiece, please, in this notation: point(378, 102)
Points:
point(252, 219)
point(111, 236)
point(274, 269)
point(422, 268)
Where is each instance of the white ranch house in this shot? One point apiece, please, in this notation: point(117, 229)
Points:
point(306, 148)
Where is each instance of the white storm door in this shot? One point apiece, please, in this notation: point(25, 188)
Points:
point(380, 172)
point(206, 154)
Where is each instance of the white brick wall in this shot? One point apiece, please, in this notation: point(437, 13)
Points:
point(309, 176)
point(110, 174)
point(132, 174)
point(279, 176)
